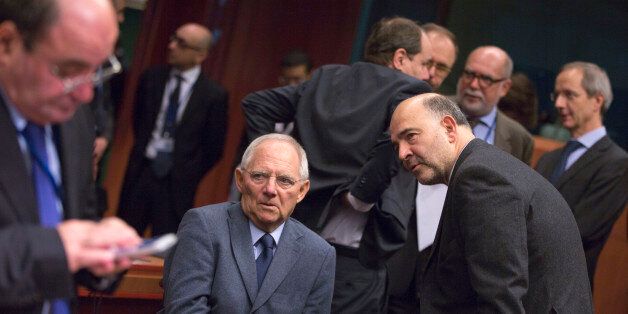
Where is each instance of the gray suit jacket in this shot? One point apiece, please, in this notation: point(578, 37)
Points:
point(213, 268)
point(596, 189)
point(507, 242)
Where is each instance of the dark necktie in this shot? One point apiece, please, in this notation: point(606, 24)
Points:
point(562, 163)
point(45, 188)
point(265, 257)
point(170, 122)
point(162, 163)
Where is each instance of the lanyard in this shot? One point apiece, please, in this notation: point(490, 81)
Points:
point(43, 166)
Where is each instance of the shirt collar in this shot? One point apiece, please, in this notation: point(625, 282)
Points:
point(591, 137)
point(257, 233)
point(489, 118)
point(189, 75)
point(18, 119)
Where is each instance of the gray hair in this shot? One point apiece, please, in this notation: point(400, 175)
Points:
point(440, 106)
point(594, 81)
point(248, 153)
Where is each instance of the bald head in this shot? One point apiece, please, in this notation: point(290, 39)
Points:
point(429, 132)
point(188, 46)
point(494, 57)
point(76, 39)
point(198, 35)
point(93, 22)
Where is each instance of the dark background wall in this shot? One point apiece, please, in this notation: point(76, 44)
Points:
point(540, 36)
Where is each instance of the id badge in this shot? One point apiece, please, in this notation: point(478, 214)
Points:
point(165, 145)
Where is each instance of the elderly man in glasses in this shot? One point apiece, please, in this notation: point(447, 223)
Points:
point(251, 257)
point(50, 50)
point(483, 82)
point(179, 120)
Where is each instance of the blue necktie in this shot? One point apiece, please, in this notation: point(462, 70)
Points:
point(45, 187)
point(265, 257)
point(562, 163)
point(170, 122)
point(162, 163)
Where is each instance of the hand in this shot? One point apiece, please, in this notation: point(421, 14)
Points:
point(92, 245)
point(100, 145)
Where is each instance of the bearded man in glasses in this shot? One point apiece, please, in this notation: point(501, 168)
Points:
point(483, 82)
point(49, 53)
point(179, 123)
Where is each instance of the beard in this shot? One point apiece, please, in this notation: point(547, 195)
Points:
point(430, 176)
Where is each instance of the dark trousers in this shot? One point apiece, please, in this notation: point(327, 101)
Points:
point(152, 204)
point(357, 289)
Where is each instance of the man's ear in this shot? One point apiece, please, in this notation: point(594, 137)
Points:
point(239, 179)
point(10, 41)
point(449, 123)
point(305, 187)
point(398, 58)
point(598, 102)
point(505, 87)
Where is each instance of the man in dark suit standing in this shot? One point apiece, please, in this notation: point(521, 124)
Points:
point(357, 201)
point(251, 257)
point(49, 54)
point(507, 241)
point(591, 170)
point(179, 120)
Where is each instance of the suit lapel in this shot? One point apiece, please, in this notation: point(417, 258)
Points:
point(502, 134)
point(286, 255)
point(193, 101)
point(242, 247)
point(596, 151)
point(15, 182)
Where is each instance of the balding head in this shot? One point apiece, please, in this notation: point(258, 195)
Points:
point(429, 131)
point(484, 80)
point(188, 46)
point(46, 68)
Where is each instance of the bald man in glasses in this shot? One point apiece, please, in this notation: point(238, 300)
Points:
point(179, 123)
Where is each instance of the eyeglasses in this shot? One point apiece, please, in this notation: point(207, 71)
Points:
point(70, 82)
point(182, 43)
point(567, 94)
point(483, 80)
point(441, 68)
point(283, 181)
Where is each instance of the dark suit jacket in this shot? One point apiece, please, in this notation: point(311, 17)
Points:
point(594, 190)
point(341, 118)
point(512, 138)
point(506, 243)
point(199, 139)
point(213, 267)
point(34, 266)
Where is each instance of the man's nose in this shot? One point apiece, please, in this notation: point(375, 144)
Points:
point(271, 186)
point(83, 93)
